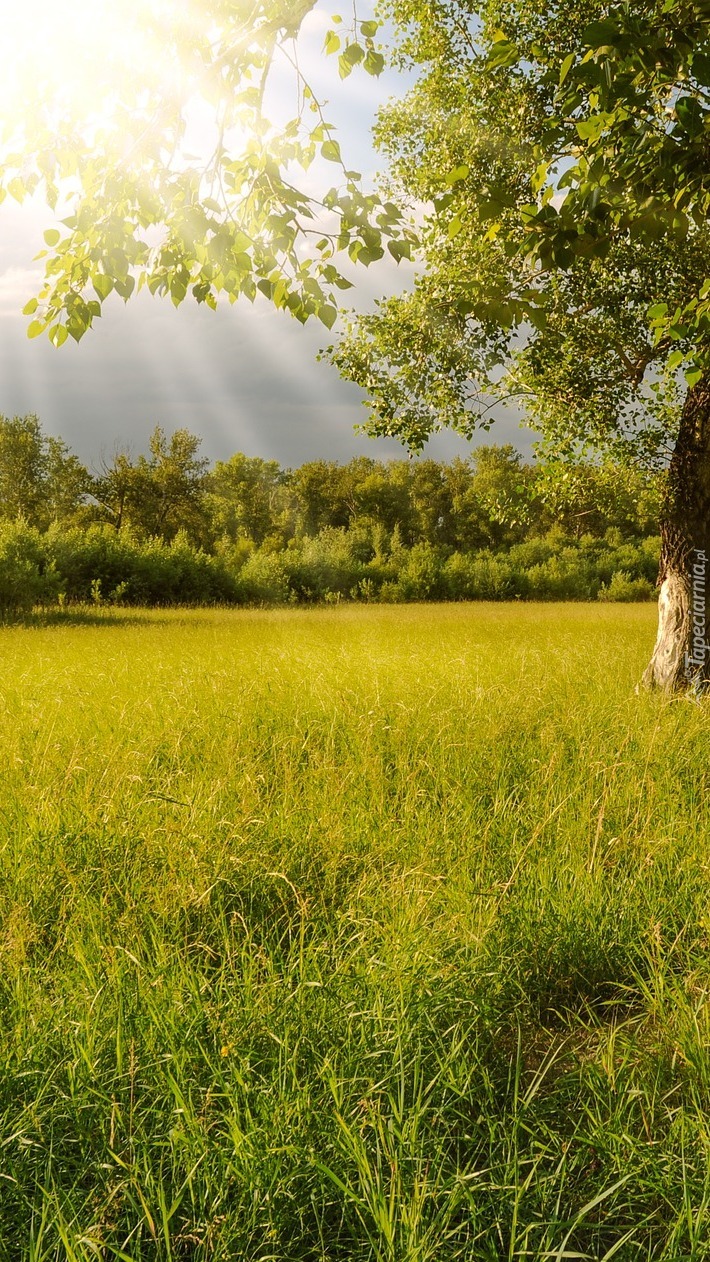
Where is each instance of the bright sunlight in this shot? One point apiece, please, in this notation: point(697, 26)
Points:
point(78, 61)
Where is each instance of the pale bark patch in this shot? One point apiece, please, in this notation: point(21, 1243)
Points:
point(668, 666)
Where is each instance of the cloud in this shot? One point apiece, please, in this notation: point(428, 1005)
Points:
point(17, 286)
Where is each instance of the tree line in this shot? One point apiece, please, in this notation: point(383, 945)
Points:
point(492, 499)
point(167, 527)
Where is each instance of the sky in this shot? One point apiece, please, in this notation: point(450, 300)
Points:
point(245, 378)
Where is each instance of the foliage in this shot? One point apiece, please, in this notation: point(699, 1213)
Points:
point(491, 499)
point(561, 151)
point(160, 494)
point(40, 480)
point(162, 529)
point(240, 218)
point(100, 566)
point(27, 575)
point(246, 497)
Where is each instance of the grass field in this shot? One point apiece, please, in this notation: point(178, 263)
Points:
point(362, 933)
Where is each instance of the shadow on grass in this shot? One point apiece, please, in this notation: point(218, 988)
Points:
point(79, 616)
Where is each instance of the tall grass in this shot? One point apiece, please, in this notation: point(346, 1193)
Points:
point(364, 933)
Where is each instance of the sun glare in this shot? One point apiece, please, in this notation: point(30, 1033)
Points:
point(74, 59)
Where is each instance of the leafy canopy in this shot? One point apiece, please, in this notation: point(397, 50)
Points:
point(137, 205)
point(559, 153)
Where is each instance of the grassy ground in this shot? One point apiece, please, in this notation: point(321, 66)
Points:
point(374, 933)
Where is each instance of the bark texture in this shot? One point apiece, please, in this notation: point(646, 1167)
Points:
point(681, 658)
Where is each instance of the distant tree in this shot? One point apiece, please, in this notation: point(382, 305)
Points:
point(23, 468)
point(503, 485)
point(471, 525)
point(593, 498)
point(40, 479)
point(176, 478)
point(117, 487)
point(383, 497)
point(160, 494)
point(324, 492)
point(68, 485)
point(431, 502)
point(247, 498)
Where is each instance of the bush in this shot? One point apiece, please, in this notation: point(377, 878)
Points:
point(262, 580)
point(624, 587)
point(26, 579)
point(483, 576)
point(568, 576)
point(100, 564)
point(421, 575)
point(120, 568)
point(330, 562)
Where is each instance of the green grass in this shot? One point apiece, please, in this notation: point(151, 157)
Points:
point(370, 933)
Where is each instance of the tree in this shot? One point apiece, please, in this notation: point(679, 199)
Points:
point(324, 493)
point(23, 467)
point(247, 498)
point(383, 497)
point(567, 257)
point(163, 493)
point(40, 480)
point(69, 485)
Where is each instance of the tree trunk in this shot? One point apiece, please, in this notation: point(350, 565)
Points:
point(681, 658)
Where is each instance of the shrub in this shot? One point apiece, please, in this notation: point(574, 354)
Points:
point(568, 576)
point(262, 580)
point(26, 579)
point(120, 568)
point(483, 576)
point(421, 574)
point(624, 587)
point(328, 562)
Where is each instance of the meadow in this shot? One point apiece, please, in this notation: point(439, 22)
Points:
point(372, 933)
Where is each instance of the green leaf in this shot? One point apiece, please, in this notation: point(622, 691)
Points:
point(330, 150)
point(331, 44)
point(459, 173)
point(35, 328)
point(502, 54)
point(125, 288)
point(400, 250)
point(700, 67)
point(454, 228)
point(657, 312)
point(693, 376)
point(17, 188)
point(600, 34)
point(592, 128)
point(690, 115)
point(369, 29)
point(566, 67)
point(374, 63)
point(328, 315)
point(354, 54)
point(103, 285)
point(30, 307)
point(58, 335)
point(52, 236)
